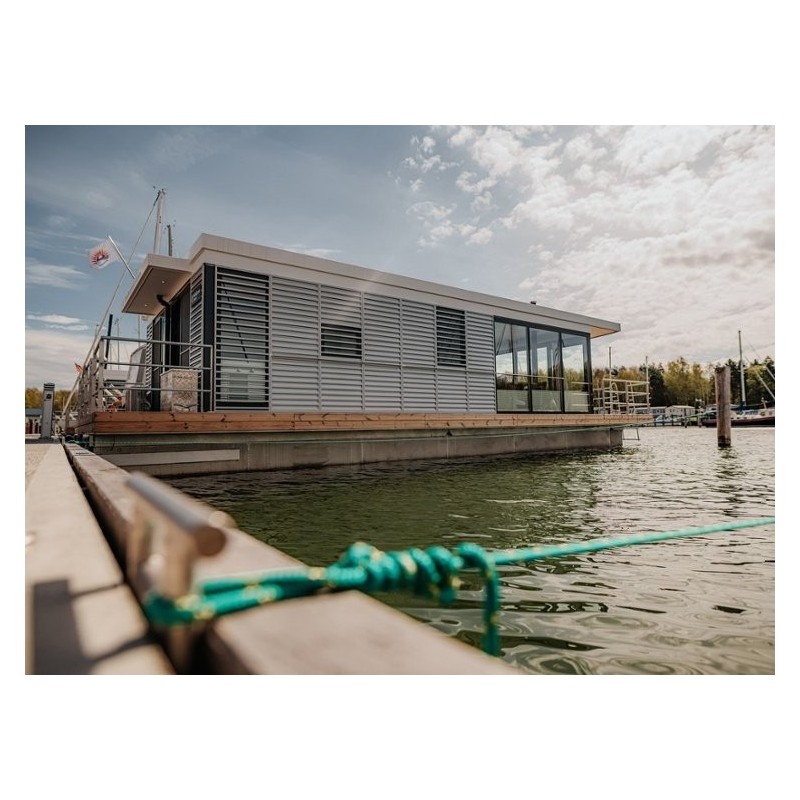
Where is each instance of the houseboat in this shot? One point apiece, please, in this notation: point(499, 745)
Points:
point(257, 358)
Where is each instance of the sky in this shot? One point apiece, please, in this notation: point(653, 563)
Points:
point(668, 230)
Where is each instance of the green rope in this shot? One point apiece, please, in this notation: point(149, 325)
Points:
point(430, 573)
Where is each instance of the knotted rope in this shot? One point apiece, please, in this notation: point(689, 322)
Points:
point(433, 572)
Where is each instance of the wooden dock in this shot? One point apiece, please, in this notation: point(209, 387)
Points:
point(84, 614)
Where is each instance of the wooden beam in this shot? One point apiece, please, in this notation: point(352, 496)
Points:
point(266, 422)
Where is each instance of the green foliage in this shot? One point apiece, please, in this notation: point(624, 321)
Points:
point(683, 384)
point(33, 398)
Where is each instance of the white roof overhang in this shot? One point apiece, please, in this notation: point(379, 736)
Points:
point(159, 276)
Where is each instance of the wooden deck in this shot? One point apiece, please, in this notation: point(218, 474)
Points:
point(155, 422)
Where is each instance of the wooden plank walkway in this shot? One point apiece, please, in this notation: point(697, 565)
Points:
point(81, 617)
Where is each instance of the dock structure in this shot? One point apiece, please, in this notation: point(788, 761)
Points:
point(81, 617)
point(86, 575)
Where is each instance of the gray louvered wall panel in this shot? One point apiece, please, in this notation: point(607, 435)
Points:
point(418, 328)
point(148, 355)
point(242, 338)
point(295, 318)
point(196, 319)
point(481, 391)
point(451, 390)
point(394, 332)
point(340, 306)
point(341, 385)
point(381, 338)
point(419, 390)
point(382, 388)
point(481, 386)
point(295, 385)
point(480, 342)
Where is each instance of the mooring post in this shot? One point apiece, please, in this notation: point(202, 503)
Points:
point(722, 379)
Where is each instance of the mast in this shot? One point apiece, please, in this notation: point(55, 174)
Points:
point(741, 372)
point(159, 219)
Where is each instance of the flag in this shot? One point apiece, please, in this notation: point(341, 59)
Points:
point(78, 368)
point(103, 254)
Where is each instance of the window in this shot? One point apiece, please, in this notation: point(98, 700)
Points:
point(342, 341)
point(451, 338)
point(541, 370)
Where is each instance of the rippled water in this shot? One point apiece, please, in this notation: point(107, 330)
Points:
point(699, 605)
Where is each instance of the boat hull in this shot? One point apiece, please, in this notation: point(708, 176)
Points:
point(744, 422)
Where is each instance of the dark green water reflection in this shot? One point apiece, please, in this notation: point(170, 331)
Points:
point(685, 606)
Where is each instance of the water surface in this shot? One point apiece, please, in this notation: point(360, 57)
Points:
point(701, 605)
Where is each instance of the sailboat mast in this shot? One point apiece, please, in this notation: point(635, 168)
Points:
point(741, 371)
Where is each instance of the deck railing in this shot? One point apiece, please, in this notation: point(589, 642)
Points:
point(158, 374)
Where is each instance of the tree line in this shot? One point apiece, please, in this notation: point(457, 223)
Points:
point(680, 383)
point(33, 399)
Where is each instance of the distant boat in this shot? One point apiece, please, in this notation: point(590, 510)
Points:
point(756, 417)
point(762, 417)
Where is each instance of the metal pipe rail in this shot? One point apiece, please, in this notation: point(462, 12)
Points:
point(95, 390)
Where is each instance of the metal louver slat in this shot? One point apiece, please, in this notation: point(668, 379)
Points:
point(242, 339)
point(451, 337)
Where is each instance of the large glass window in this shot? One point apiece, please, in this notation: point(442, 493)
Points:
point(546, 383)
point(577, 379)
point(512, 367)
point(541, 370)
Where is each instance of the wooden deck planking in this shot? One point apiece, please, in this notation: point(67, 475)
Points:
point(268, 422)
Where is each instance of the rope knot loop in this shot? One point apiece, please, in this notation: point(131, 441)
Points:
point(432, 572)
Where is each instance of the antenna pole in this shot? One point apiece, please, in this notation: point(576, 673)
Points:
point(741, 372)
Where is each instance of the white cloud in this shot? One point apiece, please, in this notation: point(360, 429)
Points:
point(498, 151)
point(581, 149)
point(467, 182)
point(53, 355)
point(482, 236)
point(651, 150)
point(58, 321)
point(53, 276)
point(462, 136)
point(427, 144)
point(425, 160)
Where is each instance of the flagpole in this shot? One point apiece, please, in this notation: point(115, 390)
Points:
point(98, 330)
point(122, 257)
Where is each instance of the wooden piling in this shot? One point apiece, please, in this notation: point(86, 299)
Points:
point(722, 379)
